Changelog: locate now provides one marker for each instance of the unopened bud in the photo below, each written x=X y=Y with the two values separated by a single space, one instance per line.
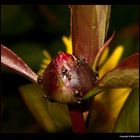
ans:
x=67 y=79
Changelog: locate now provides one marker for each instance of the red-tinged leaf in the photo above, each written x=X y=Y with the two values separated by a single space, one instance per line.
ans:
x=89 y=24
x=125 y=74
x=14 y=63
x=100 y=52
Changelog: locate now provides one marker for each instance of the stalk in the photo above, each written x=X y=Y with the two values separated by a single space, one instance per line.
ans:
x=77 y=119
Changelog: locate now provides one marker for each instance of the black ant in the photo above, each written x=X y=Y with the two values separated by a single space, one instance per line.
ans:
x=65 y=72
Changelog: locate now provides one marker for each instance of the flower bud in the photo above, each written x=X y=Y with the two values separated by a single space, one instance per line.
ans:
x=67 y=79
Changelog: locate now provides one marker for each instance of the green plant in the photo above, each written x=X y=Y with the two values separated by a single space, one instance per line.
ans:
x=88 y=34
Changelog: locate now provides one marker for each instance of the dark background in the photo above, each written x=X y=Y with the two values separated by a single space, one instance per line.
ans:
x=28 y=30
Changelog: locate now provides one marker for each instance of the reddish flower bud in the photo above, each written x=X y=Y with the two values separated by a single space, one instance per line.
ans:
x=67 y=79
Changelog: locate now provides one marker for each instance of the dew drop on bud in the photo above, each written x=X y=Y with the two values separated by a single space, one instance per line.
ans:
x=39 y=80
x=76 y=92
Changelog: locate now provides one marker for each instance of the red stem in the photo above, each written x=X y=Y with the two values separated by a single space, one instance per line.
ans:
x=77 y=119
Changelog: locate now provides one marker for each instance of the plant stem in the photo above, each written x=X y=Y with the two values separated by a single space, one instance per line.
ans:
x=77 y=119
x=93 y=92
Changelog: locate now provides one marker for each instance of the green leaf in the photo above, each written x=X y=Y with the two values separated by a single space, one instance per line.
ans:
x=128 y=119
x=54 y=117
x=93 y=92
x=125 y=74
x=89 y=24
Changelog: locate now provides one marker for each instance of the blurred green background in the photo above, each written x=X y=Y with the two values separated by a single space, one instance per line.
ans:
x=28 y=30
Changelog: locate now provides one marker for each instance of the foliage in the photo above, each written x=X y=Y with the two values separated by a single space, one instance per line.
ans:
x=111 y=106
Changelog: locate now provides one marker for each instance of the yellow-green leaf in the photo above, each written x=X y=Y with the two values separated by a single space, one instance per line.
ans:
x=128 y=119
x=60 y=115
x=105 y=108
x=125 y=74
x=53 y=117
